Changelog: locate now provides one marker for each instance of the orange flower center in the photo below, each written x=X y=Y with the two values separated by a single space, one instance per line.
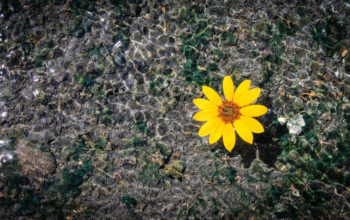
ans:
x=229 y=111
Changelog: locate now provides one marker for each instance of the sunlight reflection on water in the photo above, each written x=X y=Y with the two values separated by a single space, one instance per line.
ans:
x=5 y=155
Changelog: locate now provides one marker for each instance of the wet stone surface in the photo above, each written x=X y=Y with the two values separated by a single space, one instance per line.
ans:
x=34 y=162
x=96 y=109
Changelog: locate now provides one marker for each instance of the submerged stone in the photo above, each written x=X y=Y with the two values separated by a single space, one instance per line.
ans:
x=34 y=162
x=175 y=169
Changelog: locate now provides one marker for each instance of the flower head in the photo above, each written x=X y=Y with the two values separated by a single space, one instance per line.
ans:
x=234 y=114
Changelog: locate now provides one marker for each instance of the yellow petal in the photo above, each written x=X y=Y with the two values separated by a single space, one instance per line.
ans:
x=212 y=95
x=248 y=97
x=205 y=104
x=252 y=124
x=241 y=89
x=229 y=137
x=253 y=110
x=228 y=88
x=243 y=131
x=205 y=115
x=217 y=133
x=209 y=126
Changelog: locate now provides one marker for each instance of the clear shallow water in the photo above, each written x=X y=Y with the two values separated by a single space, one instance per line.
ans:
x=96 y=109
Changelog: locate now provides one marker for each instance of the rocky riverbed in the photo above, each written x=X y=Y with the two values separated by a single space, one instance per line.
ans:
x=96 y=109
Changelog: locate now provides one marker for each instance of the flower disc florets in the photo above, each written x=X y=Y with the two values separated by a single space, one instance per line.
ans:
x=229 y=111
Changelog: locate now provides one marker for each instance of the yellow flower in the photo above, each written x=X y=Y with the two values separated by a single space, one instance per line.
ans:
x=235 y=113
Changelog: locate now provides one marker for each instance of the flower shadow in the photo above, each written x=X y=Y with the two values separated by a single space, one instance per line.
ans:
x=265 y=145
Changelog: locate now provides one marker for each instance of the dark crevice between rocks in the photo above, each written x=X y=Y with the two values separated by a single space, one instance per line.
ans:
x=166 y=154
